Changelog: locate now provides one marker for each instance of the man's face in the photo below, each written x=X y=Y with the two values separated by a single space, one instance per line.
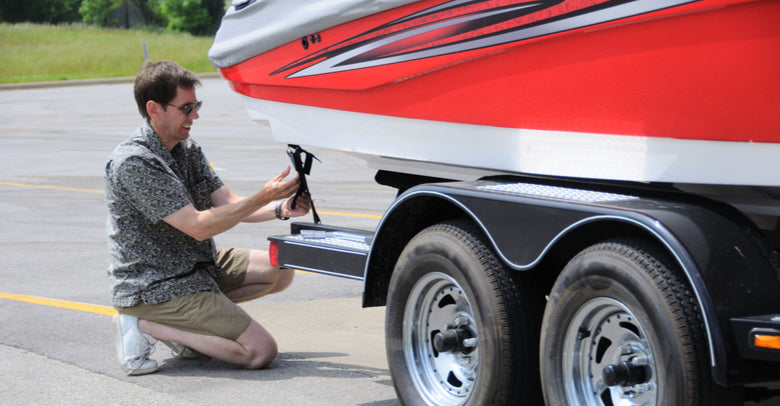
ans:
x=170 y=123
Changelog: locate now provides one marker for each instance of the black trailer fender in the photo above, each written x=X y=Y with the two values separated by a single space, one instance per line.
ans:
x=730 y=270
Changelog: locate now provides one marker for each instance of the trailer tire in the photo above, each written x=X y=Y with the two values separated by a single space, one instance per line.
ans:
x=449 y=288
x=621 y=327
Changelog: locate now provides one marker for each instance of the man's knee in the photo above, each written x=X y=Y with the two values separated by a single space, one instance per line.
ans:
x=261 y=347
x=259 y=260
x=263 y=356
x=285 y=279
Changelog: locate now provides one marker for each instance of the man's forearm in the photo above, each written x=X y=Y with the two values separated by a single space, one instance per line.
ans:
x=224 y=196
x=230 y=209
x=264 y=213
x=202 y=225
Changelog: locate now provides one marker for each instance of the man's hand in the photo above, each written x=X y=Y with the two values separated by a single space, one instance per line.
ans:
x=302 y=206
x=278 y=188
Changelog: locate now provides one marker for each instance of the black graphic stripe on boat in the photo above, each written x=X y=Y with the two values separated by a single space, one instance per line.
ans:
x=413 y=26
x=413 y=37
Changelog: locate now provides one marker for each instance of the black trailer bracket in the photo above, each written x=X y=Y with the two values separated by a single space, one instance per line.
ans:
x=329 y=250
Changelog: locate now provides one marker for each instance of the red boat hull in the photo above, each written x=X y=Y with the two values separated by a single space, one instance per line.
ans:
x=706 y=70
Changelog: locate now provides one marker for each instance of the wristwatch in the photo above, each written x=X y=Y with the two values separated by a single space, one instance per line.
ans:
x=278 y=210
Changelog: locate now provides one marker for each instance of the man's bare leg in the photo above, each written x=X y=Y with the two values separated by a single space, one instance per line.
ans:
x=261 y=279
x=254 y=348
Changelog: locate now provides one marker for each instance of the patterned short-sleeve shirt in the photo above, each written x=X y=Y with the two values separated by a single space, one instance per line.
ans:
x=151 y=260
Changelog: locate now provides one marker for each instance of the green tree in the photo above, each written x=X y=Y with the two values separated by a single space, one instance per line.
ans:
x=98 y=12
x=123 y=13
x=40 y=11
x=151 y=11
x=198 y=17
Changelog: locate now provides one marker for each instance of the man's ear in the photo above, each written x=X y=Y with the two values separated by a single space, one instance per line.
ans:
x=153 y=109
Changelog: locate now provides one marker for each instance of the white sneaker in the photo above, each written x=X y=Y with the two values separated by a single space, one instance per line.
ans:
x=132 y=347
x=184 y=352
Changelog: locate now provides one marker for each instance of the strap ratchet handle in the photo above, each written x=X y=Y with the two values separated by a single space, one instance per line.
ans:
x=302 y=161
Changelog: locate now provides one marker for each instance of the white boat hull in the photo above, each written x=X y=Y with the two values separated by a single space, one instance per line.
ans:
x=463 y=151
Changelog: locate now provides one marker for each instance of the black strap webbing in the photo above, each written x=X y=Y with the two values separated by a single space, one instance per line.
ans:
x=302 y=160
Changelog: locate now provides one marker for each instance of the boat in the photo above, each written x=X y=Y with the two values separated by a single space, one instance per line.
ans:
x=673 y=92
x=596 y=142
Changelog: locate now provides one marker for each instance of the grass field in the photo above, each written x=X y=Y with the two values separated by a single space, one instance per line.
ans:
x=37 y=53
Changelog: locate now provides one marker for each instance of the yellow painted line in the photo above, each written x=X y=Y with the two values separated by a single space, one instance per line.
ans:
x=333 y=213
x=70 y=189
x=82 y=307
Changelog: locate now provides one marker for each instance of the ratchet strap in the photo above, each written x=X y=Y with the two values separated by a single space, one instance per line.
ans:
x=302 y=160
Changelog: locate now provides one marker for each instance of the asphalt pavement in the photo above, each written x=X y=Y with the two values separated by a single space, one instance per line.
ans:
x=56 y=342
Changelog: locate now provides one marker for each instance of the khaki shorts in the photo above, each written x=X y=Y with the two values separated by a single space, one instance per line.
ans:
x=209 y=313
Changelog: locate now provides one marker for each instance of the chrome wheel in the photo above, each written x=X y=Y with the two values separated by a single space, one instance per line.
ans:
x=440 y=340
x=607 y=358
x=460 y=330
x=621 y=328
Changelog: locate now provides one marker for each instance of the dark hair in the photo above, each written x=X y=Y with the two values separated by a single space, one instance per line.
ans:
x=158 y=81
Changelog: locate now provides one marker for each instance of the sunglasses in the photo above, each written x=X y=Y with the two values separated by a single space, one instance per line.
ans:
x=188 y=108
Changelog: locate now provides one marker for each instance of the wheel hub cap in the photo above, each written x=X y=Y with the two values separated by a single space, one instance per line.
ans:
x=440 y=341
x=607 y=358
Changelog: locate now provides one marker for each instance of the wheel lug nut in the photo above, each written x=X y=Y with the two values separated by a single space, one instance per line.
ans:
x=459 y=321
x=470 y=342
x=644 y=387
x=640 y=361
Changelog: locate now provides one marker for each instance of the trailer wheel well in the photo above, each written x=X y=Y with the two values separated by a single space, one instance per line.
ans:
x=414 y=215
x=398 y=227
x=585 y=236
